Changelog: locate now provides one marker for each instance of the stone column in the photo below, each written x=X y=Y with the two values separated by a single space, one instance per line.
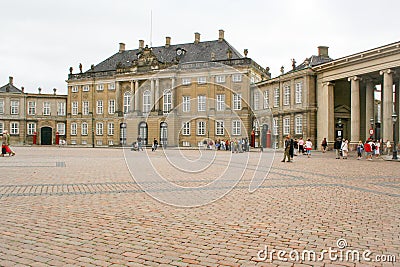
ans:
x=152 y=93
x=118 y=97
x=157 y=95
x=173 y=93
x=387 y=105
x=137 y=96
x=131 y=107
x=355 y=109
x=369 y=106
x=397 y=108
x=326 y=112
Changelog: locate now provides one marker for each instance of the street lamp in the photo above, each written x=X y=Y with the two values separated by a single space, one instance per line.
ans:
x=394 y=120
x=372 y=128
x=91 y=113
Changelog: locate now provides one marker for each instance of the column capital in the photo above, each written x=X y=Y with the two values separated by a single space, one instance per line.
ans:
x=388 y=71
x=354 y=78
x=328 y=84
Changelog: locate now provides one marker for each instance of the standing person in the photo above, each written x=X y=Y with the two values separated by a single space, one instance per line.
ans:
x=296 y=146
x=286 y=153
x=324 y=144
x=291 y=149
x=388 y=147
x=155 y=145
x=360 y=148
x=3 y=143
x=337 y=146
x=377 y=148
x=368 y=149
x=308 y=147
x=139 y=142
x=6 y=143
x=345 y=148
x=301 y=146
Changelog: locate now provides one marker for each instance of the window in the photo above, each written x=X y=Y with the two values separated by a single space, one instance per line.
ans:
x=127 y=102
x=110 y=128
x=99 y=128
x=286 y=126
x=99 y=106
x=299 y=124
x=1 y=106
x=237 y=101
x=186 y=81
x=100 y=87
x=266 y=99
x=99 y=142
x=299 y=92
x=236 y=129
x=74 y=108
x=61 y=108
x=46 y=108
x=84 y=142
x=221 y=102
x=85 y=107
x=275 y=126
x=14 y=128
x=167 y=101
x=85 y=88
x=111 y=86
x=286 y=95
x=31 y=128
x=1 y=127
x=14 y=107
x=84 y=130
x=220 y=79
x=219 y=127
x=146 y=101
x=61 y=128
x=202 y=80
x=31 y=108
x=186 y=128
x=276 y=97
x=186 y=103
x=74 y=128
x=236 y=78
x=201 y=103
x=201 y=128
x=110 y=142
x=256 y=99
x=111 y=106
x=74 y=89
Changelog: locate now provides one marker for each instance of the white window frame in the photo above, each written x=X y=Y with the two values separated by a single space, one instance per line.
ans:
x=85 y=88
x=110 y=128
x=1 y=127
x=275 y=126
x=186 y=128
x=1 y=106
x=237 y=101
x=127 y=102
x=201 y=128
x=220 y=102
x=61 y=108
x=14 y=128
x=237 y=78
x=84 y=128
x=31 y=107
x=276 y=97
x=85 y=107
x=236 y=127
x=256 y=100
x=31 y=128
x=146 y=101
x=186 y=81
x=61 y=128
x=298 y=124
x=111 y=106
x=74 y=128
x=266 y=99
x=74 y=107
x=46 y=108
x=202 y=80
x=100 y=87
x=299 y=93
x=167 y=101
x=219 y=127
x=14 y=108
x=111 y=86
x=220 y=79
x=286 y=125
x=286 y=95
x=99 y=128
x=201 y=103
x=185 y=103
x=74 y=89
x=99 y=106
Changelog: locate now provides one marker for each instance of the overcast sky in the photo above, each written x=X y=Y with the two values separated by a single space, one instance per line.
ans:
x=41 y=39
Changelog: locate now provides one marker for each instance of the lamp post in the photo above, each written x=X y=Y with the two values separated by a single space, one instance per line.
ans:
x=394 y=120
x=91 y=113
x=372 y=128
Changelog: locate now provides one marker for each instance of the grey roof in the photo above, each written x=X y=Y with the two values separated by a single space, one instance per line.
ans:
x=311 y=62
x=194 y=52
x=11 y=89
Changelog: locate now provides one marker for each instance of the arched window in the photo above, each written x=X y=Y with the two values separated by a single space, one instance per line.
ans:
x=143 y=132
x=167 y=101
x=163 y=134
x=127 y=102
x=146 y=101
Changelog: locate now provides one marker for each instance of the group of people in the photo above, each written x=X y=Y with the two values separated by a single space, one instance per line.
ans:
x=235 y=145
x=138 y=145
x=295 y=147
x=370 y=148
x=5 y=144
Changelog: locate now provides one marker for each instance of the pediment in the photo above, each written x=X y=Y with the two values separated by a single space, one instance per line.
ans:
x=342 y=109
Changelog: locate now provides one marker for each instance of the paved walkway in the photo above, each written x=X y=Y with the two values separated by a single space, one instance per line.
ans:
x=82 y=207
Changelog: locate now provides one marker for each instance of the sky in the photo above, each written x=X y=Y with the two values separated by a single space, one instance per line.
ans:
x=41 y=39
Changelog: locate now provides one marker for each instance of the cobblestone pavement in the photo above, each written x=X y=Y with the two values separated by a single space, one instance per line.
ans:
x=81 y=207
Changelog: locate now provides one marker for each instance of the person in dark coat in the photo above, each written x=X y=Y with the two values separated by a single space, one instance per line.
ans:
x=338 y=146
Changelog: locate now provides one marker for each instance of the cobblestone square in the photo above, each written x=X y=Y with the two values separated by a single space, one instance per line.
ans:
x=82 y=207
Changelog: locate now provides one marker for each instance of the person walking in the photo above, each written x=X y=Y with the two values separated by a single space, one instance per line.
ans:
x=368 y=149
x=360 y=149
x=301 y=146
x=6 y=144
x=139 y=143
x=388 y=146
x=345 y=148
x=291 y=148
x=286 y=153
x=324 y=144
x=155 y=145
x=337 y=146
x=308 y=147
x=296 y=146
x=377 y=148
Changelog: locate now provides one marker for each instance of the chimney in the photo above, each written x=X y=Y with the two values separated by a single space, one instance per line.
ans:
x=245 y=52
x=196 y=37
x=40 y=90
x=121 y=47
x=323 y=51
x=55 y=91
x=141 y=44
x=221 y=36
x=22 y=89
x=167 y=41
x=10 y=80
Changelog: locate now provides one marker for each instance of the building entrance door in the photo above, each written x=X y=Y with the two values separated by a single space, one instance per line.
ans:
x=46 y=136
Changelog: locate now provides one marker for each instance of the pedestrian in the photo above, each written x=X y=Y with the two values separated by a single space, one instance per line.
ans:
x=296 y=146
x=139 y=143
x=291 y=149
x=360 y=148
x=286 y=153
x=368 y=149
x=337 y=146
x=377 y=148
x=324 y=144
x=388 y=147
x=301 y=145
x=308 y=147
x=345 y=148
x=6 y=144
x=155 y=145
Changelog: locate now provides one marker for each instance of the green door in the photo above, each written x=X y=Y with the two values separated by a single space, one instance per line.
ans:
x=46 y=136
